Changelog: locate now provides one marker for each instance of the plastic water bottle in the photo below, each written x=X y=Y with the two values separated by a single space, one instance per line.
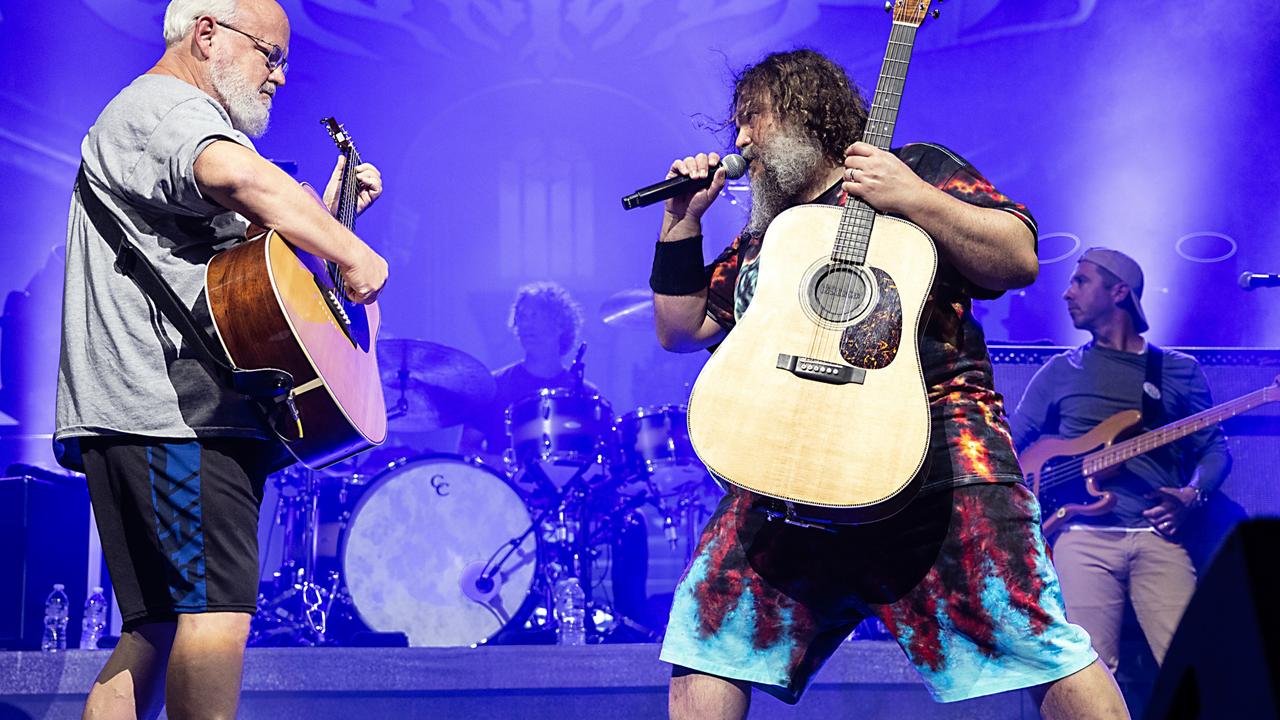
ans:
x=55 y=620
x=95 y=620
x=571 y=611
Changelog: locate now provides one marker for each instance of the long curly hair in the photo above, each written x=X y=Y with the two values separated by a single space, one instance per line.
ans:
x=807 y=91
x=568 y=312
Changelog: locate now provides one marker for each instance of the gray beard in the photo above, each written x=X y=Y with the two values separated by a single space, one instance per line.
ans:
x=789 y=163
x=248 y=114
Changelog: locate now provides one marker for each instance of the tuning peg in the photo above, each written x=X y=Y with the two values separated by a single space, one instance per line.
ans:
x=888 y=5
x=936 y=13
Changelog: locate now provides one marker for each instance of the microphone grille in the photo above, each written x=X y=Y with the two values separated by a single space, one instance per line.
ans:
x=734 y=166
x=1244 y=281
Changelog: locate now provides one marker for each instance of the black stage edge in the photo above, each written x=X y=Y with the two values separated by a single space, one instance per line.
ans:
x=865 y=680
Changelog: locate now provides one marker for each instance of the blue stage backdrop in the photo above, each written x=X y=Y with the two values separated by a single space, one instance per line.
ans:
x=507 y=130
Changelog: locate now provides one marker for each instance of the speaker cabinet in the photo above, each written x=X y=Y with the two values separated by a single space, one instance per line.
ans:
x=44 y=539
x=1224 y=661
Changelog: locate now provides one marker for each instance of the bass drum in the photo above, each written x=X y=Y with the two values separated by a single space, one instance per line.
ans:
x=428 y=552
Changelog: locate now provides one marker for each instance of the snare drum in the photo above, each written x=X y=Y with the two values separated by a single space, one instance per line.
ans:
x=428 y=552
x=655 y=450
x=560 y=431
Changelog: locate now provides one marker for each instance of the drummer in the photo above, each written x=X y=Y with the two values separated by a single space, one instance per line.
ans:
x=547 y=321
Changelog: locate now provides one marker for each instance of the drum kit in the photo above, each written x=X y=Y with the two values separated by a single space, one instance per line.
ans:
x=434 y=549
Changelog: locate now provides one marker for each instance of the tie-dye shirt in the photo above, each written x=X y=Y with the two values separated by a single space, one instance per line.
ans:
x=970 y=440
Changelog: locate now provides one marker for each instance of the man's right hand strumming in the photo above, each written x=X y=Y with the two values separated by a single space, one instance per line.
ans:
x=366 y=276
x=683 y=216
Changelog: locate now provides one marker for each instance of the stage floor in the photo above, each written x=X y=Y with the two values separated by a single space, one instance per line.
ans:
x=865 y=680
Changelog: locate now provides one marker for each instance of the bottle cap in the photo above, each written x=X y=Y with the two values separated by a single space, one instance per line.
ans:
x=59 y=586
x=97 y=590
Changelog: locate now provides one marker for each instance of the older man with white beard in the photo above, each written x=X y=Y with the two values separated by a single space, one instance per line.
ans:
x=175 y=460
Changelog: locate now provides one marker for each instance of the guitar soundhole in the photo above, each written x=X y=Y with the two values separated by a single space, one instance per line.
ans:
x=838 y=293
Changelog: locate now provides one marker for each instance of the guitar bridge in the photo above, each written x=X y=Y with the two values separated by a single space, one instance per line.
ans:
x=821 y=370
x=339 y=312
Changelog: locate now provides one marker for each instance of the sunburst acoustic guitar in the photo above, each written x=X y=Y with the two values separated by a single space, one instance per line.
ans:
x=275 y=306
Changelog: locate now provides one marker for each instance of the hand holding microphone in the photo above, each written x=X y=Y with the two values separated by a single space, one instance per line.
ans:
x=691 y=185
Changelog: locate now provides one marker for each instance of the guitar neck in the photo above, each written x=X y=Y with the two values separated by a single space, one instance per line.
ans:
x=1133 y=447
x=854 y=233
x=349 y=195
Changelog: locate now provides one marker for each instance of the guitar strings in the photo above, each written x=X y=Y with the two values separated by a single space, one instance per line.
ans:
x=347 y=200
x=855 y=245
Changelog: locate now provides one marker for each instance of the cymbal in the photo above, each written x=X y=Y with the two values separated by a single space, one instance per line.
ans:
x=430 y=386
x=629 y=309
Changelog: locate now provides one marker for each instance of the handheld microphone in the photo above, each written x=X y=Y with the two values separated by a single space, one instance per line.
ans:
x=734 y=166
x=1249 y=281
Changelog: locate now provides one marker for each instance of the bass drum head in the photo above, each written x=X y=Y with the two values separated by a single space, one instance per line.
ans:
x=419 y=541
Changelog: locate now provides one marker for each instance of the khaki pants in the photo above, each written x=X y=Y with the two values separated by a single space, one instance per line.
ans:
x=1097 y=568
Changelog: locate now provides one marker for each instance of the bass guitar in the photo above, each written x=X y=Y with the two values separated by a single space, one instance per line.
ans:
x=817 y=398
x=1068 y=476
x=275 y=306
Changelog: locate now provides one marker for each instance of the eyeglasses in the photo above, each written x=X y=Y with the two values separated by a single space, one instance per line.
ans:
x=275 y=58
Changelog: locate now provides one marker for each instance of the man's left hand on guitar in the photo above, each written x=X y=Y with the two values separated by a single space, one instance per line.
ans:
x=368 y=177
x=1171 y=511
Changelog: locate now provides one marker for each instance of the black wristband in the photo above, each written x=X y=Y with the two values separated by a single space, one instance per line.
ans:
x=677 y=267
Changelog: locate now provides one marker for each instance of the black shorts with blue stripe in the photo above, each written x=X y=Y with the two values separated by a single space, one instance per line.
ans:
x=178 y=522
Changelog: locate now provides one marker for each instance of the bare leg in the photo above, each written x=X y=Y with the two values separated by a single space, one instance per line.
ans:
x=206 y=665
x=698 y=696
x=131 y=685
x=1089 y=693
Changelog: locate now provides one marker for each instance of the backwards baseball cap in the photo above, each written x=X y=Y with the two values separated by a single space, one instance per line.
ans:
x=1129 y=272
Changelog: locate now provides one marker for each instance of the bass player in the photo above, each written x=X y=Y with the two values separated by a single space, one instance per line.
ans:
x=1133 y=551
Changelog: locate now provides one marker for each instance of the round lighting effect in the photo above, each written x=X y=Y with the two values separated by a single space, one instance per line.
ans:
x=1229 y=245
x=1075 y=247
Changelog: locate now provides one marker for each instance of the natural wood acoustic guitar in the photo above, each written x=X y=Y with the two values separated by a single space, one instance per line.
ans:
x=275 y=306
x=817 y=398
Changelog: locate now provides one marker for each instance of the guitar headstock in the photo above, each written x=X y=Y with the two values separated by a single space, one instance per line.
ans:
x=1271 y=393
x=909 y=12
x=339 y=134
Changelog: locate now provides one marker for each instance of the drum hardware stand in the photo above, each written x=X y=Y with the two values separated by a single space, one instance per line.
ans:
x=401 y=406
x=309 y=625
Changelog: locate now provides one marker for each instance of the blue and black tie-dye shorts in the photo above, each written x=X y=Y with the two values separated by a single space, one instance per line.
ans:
x=960 y=578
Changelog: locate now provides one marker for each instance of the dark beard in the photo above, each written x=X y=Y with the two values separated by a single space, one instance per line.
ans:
x=789 y=164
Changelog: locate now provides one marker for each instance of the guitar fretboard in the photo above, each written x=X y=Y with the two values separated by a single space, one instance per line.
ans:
x=854 y=233
x=1120 y=452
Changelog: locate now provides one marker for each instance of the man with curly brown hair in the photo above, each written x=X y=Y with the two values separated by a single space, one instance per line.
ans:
x=960 y=576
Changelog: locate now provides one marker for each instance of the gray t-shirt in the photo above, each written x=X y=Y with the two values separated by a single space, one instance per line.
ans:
x=1078 y=389
x=124 y=367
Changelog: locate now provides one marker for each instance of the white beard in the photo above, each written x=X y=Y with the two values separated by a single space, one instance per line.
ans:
x=789 y=161
x=249 y=114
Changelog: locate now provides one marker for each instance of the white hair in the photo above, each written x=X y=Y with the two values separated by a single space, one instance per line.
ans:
x=181 y=15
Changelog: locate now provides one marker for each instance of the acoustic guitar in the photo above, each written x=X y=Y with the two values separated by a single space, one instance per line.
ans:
x=275 y=306
x=817 y=399
x=1068 y=476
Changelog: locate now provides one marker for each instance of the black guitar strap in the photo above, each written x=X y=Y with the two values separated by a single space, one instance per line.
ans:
x=1153 y=413
x=1153 y=407
x=266 y=385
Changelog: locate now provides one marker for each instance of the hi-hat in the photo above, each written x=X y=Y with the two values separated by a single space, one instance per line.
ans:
x=430 y=386
x=630 y=309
